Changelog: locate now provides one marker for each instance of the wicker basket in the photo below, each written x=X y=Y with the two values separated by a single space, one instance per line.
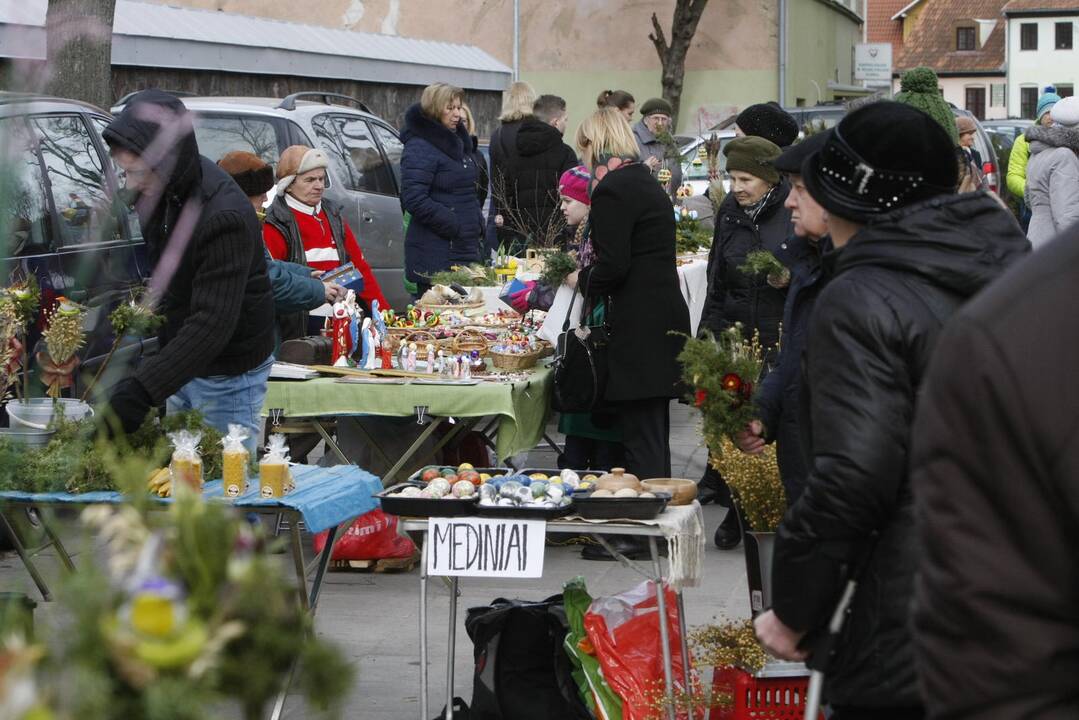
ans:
x=512 y=361
x=463 y=307
x=397 y=336
x=469 y=340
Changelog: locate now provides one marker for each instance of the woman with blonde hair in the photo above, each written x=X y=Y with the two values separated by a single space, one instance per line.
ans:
x=634 y=271
x=516 y=107
x=438 y=187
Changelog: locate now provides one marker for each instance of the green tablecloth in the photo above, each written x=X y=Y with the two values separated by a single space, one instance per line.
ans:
x=521 y=406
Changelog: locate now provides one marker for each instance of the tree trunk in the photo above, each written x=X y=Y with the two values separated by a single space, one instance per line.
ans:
x=79 y=38
x=672 y=56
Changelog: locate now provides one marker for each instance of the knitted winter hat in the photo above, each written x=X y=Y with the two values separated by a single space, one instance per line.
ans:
x=1066 y=112
x=920 y=88
x=965 y=124
x=769 y=121
x=753 y=155
x=656 y=105
x=574 y=184
x=880 y=158
x=1046 y=103
x=296 y=160
x=254 y=176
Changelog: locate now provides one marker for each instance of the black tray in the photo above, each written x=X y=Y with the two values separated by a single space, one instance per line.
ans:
x=552 y=473
x=609 y=508
x=523 y=513
x=424 y=507
x=415 y=477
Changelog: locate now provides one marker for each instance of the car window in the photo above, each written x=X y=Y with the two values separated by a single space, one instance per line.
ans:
x=26 y=219
x=354 y=153
x=393 y=147
x=221 y=134
x=134 y=229
x=75 y=173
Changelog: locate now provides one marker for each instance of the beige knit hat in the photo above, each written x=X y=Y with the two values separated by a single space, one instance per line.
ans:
x=296 y=160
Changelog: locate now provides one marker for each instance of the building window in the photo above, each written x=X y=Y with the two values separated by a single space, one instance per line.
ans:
x=976 y=102
x=1028 y=36
x=1065 y=90
x=998 y=95
x=964 y=38
x=1064 y=36
x=1028 y=101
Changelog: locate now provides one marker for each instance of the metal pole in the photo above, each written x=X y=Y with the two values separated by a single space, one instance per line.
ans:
x=451 y=654
x=783 y=52
x=423 y=627
x=664 y=637
x=516 y=40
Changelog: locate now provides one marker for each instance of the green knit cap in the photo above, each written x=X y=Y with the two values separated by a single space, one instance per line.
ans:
x=753 y=155
x=920 y=88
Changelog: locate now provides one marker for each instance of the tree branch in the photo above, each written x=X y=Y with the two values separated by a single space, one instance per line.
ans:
x=659 y=40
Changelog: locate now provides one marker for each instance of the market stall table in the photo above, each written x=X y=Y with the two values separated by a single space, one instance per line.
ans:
x=520 y=408
x=682 y=527
x=692 y=280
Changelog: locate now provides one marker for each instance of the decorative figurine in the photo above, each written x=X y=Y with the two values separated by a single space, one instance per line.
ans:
x=430 y=358
x=387 y=355
x=411 y=357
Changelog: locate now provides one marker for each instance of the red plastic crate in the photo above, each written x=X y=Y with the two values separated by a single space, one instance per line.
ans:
x=779 y=698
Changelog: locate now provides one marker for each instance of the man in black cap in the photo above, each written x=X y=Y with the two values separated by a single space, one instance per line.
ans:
x=908 y=252
x=778 y=398
x=651 y=132
x=769 y=121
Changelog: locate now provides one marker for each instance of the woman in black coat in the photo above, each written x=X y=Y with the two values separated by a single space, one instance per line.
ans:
x=516 y=107
x=633 y=236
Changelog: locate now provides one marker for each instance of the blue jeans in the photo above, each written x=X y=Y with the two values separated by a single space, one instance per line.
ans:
x=224 y=399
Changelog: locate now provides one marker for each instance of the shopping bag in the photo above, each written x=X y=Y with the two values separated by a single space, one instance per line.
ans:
x=371 y=536
x=624 y=631
x=602 y=701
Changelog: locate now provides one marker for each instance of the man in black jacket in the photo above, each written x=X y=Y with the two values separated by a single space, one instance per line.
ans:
x=209 y=273
x=531 y=178
x=908 y=253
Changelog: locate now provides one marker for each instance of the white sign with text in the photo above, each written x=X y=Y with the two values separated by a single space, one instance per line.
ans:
x=482 y=547
x=873 y=62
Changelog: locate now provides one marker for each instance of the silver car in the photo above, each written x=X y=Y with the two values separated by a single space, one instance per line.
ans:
x=365 y=161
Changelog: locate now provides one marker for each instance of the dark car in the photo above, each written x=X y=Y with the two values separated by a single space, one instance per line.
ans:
x=60 y=221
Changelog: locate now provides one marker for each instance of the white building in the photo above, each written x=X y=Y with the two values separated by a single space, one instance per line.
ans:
x=1041 y=51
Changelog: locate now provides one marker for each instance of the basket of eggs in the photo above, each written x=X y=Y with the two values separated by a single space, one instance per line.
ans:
x=619 y=495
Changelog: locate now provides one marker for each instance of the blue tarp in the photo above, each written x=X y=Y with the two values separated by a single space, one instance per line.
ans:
x=324 y=496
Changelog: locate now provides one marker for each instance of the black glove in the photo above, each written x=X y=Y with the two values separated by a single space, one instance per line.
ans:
x=130 y=403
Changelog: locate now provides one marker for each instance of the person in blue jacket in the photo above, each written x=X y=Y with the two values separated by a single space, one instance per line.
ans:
x=294 y=287
x=777 y=400
x=438 y=187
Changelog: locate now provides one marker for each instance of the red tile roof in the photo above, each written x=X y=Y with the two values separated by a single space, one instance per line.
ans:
x=880 y=27
x=932 y=43
x=1041 y=6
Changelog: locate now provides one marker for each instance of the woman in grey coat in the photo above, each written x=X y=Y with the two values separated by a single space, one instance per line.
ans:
x=1052 y=192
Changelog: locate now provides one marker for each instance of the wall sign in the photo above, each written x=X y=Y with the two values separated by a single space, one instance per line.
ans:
x=873 y=62
x=482 y=547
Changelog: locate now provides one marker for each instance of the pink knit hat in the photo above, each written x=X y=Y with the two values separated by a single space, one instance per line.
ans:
x=574 y=184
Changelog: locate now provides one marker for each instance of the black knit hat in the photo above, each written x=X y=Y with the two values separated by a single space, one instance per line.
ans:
x=656 y=105
x=882 y=157
x=793 y=157
x=769 y=121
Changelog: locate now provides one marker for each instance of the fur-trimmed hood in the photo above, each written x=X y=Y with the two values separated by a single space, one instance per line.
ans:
x=454 y=144
x=1054 y=136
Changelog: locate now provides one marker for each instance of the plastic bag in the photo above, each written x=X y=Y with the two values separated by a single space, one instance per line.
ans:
x=235 y=460
x=186 y=465
x=624 y=631
x=601 y=700
x=274 y=477
x=371 y=536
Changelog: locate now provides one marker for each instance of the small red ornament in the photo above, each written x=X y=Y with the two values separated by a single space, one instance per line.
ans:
x=731 y=382
x=700 y=397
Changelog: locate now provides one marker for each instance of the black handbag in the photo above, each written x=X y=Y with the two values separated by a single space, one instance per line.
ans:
x=580 y=365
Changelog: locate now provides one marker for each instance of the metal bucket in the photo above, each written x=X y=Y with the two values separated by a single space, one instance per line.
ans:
x=760 y=547
x=30 y=437
x=37 y=413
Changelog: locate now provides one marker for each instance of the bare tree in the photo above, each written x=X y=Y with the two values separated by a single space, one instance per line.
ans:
x=672 y=56
x=79 y=39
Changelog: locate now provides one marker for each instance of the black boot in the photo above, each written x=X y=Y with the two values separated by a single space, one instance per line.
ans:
x=729 y=532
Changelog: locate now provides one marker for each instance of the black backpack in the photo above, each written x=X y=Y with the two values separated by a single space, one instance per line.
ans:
x=522 y=671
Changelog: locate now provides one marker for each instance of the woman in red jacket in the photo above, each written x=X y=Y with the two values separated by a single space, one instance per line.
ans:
x=303 y=228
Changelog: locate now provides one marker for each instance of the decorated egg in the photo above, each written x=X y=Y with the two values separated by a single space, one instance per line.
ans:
x=463 y=489
x=569 y=476
x=539 y=488
x=523 y=494
x=439 y=486
x=625 y=493
x=506 y=502
x=430 y=494
x=555 y=492
x=509 y=489
x=602 y=493
x=488 y=492
x=410 y=491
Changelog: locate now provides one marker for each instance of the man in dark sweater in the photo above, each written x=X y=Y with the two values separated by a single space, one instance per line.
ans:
x=209 y=273
x=531 y=179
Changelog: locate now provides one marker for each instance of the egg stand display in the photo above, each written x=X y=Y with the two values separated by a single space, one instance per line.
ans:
x=556 y=527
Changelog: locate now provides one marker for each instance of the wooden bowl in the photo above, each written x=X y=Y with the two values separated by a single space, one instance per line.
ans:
x=683 y=492
x=617 y=479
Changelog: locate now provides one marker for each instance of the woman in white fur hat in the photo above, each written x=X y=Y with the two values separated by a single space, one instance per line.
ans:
x=302 y=227
x=1052 y=192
